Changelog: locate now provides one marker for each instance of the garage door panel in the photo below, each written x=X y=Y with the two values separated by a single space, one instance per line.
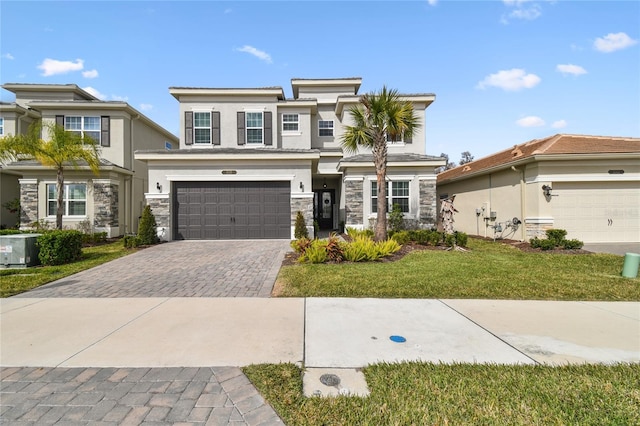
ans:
x=231 y=210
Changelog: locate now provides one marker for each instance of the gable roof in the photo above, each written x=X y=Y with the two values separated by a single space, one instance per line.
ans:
x=560 y=144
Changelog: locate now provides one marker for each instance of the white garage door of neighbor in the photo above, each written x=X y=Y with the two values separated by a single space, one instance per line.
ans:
x=598 y=212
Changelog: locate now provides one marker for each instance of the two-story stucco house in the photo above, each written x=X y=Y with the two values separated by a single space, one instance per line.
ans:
x=111 y=202
x=249 y=159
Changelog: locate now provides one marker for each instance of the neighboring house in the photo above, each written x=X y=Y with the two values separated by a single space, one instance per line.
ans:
x=250 y=159
x=587 y=185
x=111 y=202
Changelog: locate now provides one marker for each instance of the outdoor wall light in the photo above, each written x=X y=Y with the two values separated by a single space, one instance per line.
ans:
x=301 y=186
x=158 y=187
x=324 y=183
x=546 y=190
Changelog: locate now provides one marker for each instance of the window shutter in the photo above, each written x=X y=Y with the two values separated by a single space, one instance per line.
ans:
x=60 y=120
x=408 y=139
x=105 y=133
x=268 y=132
x=188 y=128
x=215 y=127
x=241 y=133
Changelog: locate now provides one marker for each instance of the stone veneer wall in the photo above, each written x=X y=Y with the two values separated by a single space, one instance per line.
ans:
x=160 y=209
x=537 y=230
x=354 y=209
x=305 y=205
x=105 y=205
x=28 y=204
x=428 y=215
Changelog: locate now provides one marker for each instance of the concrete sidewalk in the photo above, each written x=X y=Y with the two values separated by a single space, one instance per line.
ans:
x=316 y=332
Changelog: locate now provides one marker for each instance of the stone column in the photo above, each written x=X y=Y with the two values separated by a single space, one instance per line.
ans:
x=161 y=208
x=354 y=209
x=304 y=203
x=428 y=197
x=105 y=206
x=28 y=202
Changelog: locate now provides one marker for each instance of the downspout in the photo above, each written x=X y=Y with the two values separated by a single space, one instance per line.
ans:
x=523 y=199
x=19 y=121
x=132 y=177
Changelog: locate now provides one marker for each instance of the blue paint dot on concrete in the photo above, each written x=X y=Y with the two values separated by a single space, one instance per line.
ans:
x=398 y=339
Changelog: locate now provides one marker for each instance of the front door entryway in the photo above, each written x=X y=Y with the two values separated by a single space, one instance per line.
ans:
x=324 y=201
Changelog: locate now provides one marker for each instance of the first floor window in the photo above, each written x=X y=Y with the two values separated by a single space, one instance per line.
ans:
x=202 y=127
x=84 y=126
x=254 y=127
x=74 y=199
x=1 y=126
x=325 y=128
x=399 y=195
x=289 y=122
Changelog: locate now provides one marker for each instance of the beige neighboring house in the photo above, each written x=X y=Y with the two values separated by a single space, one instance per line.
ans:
x=249 y=159
x=111 y=202
x=587 y=185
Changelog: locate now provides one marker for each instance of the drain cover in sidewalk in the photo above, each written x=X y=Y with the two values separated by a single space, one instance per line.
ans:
x=333 y=382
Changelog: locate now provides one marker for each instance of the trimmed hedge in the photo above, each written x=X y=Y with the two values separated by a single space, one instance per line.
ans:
x=59 y=247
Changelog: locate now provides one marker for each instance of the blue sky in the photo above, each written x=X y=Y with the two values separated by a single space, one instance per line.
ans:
x=503 y=72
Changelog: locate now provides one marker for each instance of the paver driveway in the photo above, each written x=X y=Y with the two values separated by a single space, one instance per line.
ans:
x=180 y=269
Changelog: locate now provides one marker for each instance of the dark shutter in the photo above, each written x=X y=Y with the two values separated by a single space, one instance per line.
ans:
x=241 y=132
x=105 y=134
x=408 y=139
x=215 y=127
x=188 y=128
x=60 y=120
x=268 y=132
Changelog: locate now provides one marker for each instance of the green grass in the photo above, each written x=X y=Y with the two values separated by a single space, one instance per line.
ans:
x=15 y=281
x=462 y=394
x=489 y=270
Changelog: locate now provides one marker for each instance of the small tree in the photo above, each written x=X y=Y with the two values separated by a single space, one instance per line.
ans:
x=466 y=158
x=300 y=230
x=448 y=164
x=147 y=233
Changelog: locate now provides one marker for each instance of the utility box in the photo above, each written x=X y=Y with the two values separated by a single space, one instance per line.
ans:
x=19 y=250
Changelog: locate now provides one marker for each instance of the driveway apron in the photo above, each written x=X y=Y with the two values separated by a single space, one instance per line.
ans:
x=238 y=268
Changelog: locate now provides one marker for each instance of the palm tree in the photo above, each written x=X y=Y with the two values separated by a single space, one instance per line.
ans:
x=378 y=118
x=61 y=150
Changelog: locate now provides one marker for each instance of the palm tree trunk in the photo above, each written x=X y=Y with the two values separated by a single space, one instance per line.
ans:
x=59 y=192
x=380 y=161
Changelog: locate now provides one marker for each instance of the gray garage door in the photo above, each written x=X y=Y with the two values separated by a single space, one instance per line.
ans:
x=231 y=210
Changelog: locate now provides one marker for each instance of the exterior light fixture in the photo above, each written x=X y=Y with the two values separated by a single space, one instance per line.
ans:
x=546 y=190
x=324 y=183
x=158 y=187
x=301 y=186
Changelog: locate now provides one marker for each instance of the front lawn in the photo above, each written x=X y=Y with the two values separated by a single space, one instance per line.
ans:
x=462 y=394
x=490 y=270
x=15 y=281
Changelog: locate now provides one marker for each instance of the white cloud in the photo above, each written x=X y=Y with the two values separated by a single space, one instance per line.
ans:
x=53 y=66
x=256 y=52
x=432 y=2
x=8 y=56
x=530 y=121
x=95 y=93
x=570 y=69
x=559 y=124
x=521 y=9
x=120 y=98
x=510 y=80
x=612 y=42
x=90 y=74
x=146 y=107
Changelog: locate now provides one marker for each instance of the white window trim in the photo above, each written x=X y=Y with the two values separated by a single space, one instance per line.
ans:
x=390 y=182
x=396 y=143
x=246 y=127
x=194 y=128
x=297 y=123
x=66 y=200
x=326 y=128
x=82 y=129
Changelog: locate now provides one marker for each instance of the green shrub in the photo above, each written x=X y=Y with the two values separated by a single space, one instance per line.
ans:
x=131 y=241
x=449 y=240
x=420 y=236
x=435 y=238
x=461 y=239
x=361 y=249
x=59 y=247
x=544 y=244
x=572 y=244
x=556 y=235
x=94 y=238
x=387 y=248
x=334 y=248
x=147 y=233
x=354 y=233
x=300 y=230
x=316 y=252
x=401 y=237
x=11 y=231
x=396 y=218
x=299 y=246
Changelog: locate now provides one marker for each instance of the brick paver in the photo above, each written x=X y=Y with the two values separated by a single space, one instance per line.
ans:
x=180 y=269
x=82 y=396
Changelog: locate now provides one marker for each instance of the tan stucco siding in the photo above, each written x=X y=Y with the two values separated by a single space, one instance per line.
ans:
x=295 y=139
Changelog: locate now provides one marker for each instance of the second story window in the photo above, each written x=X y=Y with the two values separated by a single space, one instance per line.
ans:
x=399 y=139
x=202 y=127
x=254 y=128
x=290 y=122
x=325 y=128
x=84 y=126
x=1 y=126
